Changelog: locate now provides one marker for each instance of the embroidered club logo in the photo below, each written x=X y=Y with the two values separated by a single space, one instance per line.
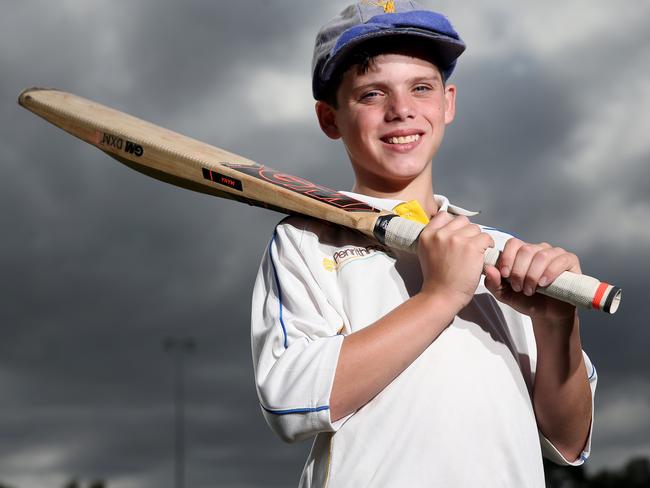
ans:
x=349 y=254
x=387 y=5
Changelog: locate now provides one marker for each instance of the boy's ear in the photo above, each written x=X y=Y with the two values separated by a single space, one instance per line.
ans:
x=450 y=103
x=327 y=120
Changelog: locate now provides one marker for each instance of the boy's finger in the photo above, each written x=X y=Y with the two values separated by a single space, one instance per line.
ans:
x=463 y=226
x=521 y=264
x=539 y=268
x=507 y=257
x=439 y=220
x=485 y=240
x=564 y=261
x=468 y=230
x=457 y=222
x=492 y=277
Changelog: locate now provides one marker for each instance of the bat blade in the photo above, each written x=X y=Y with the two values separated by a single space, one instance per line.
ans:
x=192 y=164
x=195 y=165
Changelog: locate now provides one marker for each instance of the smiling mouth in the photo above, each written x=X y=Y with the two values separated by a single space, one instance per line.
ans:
x=402 y=139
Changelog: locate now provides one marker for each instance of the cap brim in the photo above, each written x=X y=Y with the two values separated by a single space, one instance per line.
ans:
x=445 y=49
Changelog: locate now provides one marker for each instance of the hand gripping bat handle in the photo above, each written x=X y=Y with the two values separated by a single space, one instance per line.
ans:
x=576 y=289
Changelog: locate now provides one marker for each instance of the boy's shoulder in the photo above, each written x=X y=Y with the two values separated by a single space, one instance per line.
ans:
x=303 y=232
x=324 y=247
x=296 y=225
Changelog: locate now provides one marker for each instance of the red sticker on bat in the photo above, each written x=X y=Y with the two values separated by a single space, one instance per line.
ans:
x=304 y=187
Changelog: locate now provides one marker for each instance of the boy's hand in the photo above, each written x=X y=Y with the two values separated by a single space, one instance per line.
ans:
x=450 y=250
x=527 y=266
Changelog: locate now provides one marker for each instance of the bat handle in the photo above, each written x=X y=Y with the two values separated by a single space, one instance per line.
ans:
x=576 y=289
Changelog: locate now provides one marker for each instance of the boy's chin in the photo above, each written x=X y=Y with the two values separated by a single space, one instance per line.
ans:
x=405 y=171
x=392 y=172
x=412 y=162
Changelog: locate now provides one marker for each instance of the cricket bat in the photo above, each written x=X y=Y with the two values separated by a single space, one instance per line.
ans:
x=191 y=164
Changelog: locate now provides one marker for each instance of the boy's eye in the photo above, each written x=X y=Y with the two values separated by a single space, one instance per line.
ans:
x=370 y=95
x=422 y=88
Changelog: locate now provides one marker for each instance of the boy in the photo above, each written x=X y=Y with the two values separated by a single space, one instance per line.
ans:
x=412 y=371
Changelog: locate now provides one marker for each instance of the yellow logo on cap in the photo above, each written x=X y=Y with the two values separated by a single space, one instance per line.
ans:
x=387 y=5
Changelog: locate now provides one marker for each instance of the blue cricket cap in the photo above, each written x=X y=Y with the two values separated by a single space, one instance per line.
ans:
x=368 y=20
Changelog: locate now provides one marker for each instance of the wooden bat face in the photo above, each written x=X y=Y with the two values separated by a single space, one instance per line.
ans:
x=191 y=164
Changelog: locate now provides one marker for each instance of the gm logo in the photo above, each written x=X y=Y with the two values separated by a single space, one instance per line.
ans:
x=125 y=145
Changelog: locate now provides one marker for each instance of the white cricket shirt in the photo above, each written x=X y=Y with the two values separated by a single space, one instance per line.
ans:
x=459 y=415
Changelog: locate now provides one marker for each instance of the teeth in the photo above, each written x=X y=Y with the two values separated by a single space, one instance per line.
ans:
x=403 y=140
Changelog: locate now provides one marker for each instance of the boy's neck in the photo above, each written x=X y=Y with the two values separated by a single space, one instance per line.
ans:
x=415 y=190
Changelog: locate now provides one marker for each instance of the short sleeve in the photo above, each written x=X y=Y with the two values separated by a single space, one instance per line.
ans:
x=295 y=340
x=550 y=451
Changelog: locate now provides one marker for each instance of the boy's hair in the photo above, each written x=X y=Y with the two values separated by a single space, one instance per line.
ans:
x=363 y=57
x=380 y=23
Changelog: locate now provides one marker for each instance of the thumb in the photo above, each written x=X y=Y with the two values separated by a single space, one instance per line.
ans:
x=501 y=289
x=492 y=278
x=497 y=285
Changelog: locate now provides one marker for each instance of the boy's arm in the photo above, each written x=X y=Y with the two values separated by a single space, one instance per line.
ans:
x=294 y=335
x=561 y=391
x=561 y=373
x=450 y=251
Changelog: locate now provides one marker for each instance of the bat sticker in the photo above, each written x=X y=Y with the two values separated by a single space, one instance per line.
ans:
x=211 y=175
x=302 y=186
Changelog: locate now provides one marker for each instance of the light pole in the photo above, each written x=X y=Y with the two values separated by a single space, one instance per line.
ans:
x=179 y=347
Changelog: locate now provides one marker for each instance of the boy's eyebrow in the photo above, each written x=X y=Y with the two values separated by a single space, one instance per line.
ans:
x=434 y=77
x=416 y=79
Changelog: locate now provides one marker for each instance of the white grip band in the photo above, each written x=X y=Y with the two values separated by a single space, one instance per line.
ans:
x=576 y=289
x=403 y=234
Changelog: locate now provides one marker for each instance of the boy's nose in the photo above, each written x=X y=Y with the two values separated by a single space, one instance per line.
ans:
x=400 y=107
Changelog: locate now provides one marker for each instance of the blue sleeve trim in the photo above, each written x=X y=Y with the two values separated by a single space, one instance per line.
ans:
x=277 y=284
x=295 y=410
x=593 y=371
x=486 y=227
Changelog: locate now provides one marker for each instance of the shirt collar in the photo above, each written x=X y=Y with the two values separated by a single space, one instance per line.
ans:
x=389 y=205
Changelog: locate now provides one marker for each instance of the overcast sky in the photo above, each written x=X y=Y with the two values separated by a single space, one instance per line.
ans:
x=98 y=263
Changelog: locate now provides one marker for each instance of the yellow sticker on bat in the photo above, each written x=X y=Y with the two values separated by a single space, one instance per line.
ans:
x=412 y=210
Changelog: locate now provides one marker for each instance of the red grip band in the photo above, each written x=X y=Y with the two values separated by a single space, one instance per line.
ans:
x=600 y=292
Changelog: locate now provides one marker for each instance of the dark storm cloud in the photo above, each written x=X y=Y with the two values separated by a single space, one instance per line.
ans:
x=511 y=138
x=100 y=263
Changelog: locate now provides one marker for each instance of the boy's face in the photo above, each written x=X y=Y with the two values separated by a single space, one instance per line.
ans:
x=392 y=119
